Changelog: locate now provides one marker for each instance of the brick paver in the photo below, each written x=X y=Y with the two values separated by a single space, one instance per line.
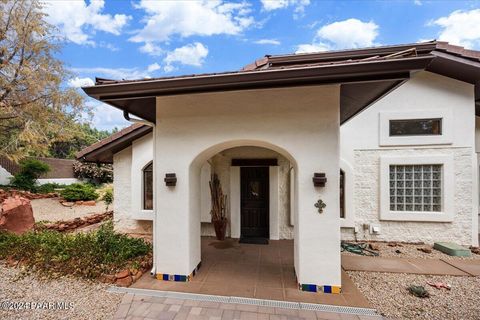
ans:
x=143 y=307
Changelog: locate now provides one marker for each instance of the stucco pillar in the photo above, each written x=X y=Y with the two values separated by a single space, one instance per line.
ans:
x=177 y=242
x=317 y=236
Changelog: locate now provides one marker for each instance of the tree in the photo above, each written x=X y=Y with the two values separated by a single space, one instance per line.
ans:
x=30 y=171
x=84 y=136
x=35 y=107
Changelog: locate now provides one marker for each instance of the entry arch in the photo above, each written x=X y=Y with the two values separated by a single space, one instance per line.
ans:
x=195 y=183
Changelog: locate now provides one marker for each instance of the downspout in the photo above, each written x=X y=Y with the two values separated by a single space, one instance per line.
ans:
x=127 y=117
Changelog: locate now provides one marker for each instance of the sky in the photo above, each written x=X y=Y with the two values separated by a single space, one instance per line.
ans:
x=135 y=39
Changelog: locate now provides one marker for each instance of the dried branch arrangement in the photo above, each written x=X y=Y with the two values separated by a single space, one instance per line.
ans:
x=219 y=200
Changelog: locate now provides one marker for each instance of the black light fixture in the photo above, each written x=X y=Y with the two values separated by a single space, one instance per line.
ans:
x=319 y=179
x=170 y=179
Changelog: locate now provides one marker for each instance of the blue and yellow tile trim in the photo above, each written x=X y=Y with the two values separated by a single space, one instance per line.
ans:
x=321 y=289
x=178 y=277
x=316 y=288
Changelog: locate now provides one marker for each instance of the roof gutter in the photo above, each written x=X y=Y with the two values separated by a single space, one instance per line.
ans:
x=127 y=117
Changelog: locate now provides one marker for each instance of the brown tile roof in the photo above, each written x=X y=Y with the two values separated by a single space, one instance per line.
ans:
x=265 y=63
x=270 y=62
x=108 y=140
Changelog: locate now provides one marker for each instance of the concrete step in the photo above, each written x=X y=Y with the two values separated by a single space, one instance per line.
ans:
x=452 y=249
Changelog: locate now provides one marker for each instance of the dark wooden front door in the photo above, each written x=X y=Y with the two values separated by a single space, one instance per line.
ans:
x=254 y=202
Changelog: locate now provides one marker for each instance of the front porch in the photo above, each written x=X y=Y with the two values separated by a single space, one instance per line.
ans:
x=230 y=268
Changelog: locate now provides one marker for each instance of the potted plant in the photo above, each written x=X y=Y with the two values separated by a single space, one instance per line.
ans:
x=218 y=212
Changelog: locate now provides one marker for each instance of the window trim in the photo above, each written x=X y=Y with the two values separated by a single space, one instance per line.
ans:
x=446 y=137
x=446 y=215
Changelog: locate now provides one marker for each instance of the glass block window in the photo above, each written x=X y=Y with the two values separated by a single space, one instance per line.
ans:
x=416 y=188
x=416 y=127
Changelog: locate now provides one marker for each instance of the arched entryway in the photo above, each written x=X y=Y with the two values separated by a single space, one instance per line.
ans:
x=301 y=124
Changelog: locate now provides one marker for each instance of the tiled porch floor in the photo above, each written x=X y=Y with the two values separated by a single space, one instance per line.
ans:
x=254 y=271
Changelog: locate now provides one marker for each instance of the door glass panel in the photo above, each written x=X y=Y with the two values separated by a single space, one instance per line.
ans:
x=255 y=189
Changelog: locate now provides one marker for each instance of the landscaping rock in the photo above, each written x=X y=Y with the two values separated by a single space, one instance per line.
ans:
x=71 y=225
x=124 y=282
x=16 y=215
x=122 y=274
x=425 y=250
x=89 y=203
x=67 y=204
x=374 y=246
x=108 y=278
x=137 y=276
x=475 y=250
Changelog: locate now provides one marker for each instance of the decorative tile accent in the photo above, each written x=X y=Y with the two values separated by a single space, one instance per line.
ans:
x=322 y=289
x=178 y=277
x=317 y=288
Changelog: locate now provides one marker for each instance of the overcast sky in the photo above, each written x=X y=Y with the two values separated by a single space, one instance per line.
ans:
x=139 y=39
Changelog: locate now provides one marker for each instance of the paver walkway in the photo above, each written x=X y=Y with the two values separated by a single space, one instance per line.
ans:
x=411 y=265
x=135 y=306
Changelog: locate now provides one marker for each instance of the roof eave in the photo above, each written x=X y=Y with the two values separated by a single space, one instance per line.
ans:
x=334 y=73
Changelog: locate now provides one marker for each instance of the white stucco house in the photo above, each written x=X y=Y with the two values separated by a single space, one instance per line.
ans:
x=392 y=129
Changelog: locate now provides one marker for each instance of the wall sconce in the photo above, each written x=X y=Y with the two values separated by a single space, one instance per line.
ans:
x=170 y=179
x=319 y=179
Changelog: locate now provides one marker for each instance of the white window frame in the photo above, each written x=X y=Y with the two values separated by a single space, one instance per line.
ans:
x=446 y=215
x=446 y=137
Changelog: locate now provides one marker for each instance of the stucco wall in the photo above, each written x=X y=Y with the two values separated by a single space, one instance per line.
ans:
x=222 y=164
x=367 y=175
x=122 y=183
x=142 y=155
x=360 y=140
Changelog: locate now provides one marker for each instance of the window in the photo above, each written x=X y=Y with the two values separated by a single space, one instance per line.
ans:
x=416 y=188
x=416 y=127
x=342 y=194
x=148 y=187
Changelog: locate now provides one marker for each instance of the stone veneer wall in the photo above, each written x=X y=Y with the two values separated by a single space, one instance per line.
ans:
x=221 y=165
x=122 y=216
x=367 y=200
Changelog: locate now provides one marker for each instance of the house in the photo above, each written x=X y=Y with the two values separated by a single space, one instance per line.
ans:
x=385 y=137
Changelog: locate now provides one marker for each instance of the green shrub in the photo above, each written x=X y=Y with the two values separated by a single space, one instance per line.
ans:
x=30 y=171
x=79 y=191
x=108 y=197
x=83 y=254
x=49 y=187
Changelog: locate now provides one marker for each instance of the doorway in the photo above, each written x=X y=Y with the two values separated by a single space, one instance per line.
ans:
x=254 y=205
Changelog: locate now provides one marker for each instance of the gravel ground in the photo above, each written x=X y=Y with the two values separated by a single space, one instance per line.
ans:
x=410 y=251
x=51 y=210
x=389 y=295
x=90 y=300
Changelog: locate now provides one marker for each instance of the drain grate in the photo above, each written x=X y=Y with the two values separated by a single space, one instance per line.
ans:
x=338 y=309
x=249 y=301
x=281 y=304
x=197 y=297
